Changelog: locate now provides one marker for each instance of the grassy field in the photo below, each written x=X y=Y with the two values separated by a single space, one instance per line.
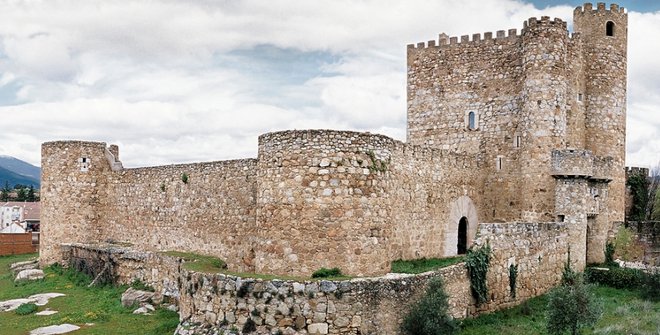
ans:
x=624 y=312
x=424 y=264
x=81 y=305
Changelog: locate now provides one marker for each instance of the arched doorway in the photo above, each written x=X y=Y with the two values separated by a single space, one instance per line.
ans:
x=461 y=246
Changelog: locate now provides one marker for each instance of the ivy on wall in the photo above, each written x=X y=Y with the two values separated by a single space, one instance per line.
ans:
x=476 y=262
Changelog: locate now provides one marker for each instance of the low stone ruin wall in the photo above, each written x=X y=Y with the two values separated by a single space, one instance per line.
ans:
x=209 y=302
x=646 y=239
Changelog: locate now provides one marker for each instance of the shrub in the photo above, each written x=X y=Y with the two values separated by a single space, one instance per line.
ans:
x=476 y=262
x=25 y=309
x=325 y=273
x=184 y=178
x=651 y=286
x=572 y=307
x=616 y=277
x=429 y=316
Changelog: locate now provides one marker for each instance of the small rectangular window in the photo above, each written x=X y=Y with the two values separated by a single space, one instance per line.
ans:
x=84 y=164
x=517 y=139
x=498 y=163
x=579 y=97
x=560 y=218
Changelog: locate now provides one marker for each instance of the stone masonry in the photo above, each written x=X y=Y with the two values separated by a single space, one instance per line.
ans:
x=522 y=126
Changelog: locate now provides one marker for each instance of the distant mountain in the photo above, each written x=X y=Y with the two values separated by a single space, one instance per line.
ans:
x=16 y=171
x=18 y=166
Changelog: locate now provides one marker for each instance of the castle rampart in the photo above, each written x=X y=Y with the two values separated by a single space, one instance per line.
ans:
x=520 y=127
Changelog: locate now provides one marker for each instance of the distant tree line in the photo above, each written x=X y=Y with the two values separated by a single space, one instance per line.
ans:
x=18 y=193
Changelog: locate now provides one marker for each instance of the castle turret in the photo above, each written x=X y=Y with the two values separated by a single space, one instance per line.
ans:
x=543 y=112
x=603 y=32
x=71 y=177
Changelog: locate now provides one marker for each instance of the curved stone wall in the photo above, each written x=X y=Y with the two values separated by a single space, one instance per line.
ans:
x=323 y=201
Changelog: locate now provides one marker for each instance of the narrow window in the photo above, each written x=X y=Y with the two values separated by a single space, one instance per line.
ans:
x=580 y=97
x=498 y=163
x=609 y=28
x=517 y=141
x=472 y=121
x=84 y=164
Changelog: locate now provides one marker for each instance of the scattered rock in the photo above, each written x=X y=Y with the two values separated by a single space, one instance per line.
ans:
x=20 y=266
x=142 y=310
x=134 y=297
x=29 y=274
x=149 y=307
x=57 y=329
x=37 y=299
x=46 y=312
x=172 y=308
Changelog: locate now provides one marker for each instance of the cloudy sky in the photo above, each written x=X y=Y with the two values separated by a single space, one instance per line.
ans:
x=174 y=81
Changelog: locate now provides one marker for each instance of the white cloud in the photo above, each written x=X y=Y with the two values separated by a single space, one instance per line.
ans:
x=160 y=77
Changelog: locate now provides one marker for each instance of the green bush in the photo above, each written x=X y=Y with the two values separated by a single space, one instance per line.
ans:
x=513 y=275
x=325 y=273
x=26 y=309
x=430 y=315
x=572 y=307
x=651 y=286
x=615 y=277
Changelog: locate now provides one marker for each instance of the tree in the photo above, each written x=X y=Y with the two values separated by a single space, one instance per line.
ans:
x=21 y=194
x=572 y=305
x=653 y=209
x=4 y=194
x=30 y=195
x=639 y=188
x=430 y=315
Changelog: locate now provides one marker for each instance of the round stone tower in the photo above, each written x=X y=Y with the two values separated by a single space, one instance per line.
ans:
x=604 y=35
x=543 y=114
x=72 y=173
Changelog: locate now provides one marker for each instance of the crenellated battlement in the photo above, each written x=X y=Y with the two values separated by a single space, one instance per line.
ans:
x=545 y=21
x=445 y=41
x=509 y=35
x=600 y=8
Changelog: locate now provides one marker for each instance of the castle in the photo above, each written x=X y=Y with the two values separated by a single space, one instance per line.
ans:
x=514 y=128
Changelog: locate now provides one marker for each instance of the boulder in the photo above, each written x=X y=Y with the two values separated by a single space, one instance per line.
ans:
x=30 y=274
x=20 y=266
x=135 y=297
x=58 y=329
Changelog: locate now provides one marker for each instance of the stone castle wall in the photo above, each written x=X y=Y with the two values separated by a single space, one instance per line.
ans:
x=212 y=213
x=358 y=306
x=365 y=199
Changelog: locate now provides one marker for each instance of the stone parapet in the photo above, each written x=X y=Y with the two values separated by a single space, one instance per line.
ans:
x=572 y=163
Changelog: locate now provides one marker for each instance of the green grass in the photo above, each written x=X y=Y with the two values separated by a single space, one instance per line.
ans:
x=415 y=266
x=81 y=305
x=624 y=312
x=210 y=264
x=199 y=263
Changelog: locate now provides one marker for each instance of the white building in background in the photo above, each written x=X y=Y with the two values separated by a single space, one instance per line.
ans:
x=19 y=217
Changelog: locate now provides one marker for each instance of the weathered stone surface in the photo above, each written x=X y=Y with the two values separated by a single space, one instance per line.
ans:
x=317 y=328
x=30 y=274
x=134 y=297
x=57 y=329
x=27 y=265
